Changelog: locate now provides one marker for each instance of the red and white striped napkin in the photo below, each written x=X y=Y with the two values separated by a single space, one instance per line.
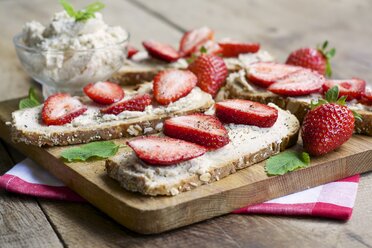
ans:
x=332 y=200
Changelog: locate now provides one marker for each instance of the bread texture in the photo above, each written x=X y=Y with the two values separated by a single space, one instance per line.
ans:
x=248 y=145
x=142 y=68
x=237 y=86
x=27 y=125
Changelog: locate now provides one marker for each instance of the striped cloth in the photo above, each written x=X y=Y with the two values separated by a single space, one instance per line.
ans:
x=332 y=200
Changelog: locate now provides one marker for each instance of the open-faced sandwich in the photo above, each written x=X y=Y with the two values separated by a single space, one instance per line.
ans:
x=107 y=112
x=142 y=66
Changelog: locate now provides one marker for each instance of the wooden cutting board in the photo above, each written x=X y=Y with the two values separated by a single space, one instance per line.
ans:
x=147 y=215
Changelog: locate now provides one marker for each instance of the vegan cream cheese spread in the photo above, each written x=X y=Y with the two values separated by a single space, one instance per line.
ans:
x=68 y=53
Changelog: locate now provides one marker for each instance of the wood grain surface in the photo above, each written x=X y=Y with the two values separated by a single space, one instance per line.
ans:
x=81 y=225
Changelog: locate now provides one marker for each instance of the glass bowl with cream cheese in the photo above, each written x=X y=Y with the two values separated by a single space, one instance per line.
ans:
x=67 y=54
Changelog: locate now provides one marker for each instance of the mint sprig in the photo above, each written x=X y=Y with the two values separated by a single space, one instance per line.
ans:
x=31 y=101
x=328 y=55
x=99 y=149
x=332 y=97
x=286 y=161
x=84 y=14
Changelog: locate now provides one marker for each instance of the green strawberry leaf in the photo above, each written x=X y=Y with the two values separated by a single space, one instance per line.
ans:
x=332 y=94
x=203 y=50
x=342 y=100
x=31 y=101
x=100 y=149
x=286 y=161
x=357 y=116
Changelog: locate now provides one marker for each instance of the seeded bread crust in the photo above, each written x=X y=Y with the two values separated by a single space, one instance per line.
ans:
x=298 y=108
x=104 y=131
x=137 y=183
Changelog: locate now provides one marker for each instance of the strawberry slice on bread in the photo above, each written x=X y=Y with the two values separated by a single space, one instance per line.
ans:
x=194 y=39
x=155 y=150
x=205 y=130
x=266 y=73
x=104 y=92
x=246 y=112
x=60 y=109
x=299 y=83
x=170 y=85
x=161 y=51
x=211 y=72
x=136 y=103
x=234 y=48
x=352 y=88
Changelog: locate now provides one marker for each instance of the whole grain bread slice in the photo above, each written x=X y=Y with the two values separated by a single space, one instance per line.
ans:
x=142 y=68
x=237 y=86
x=248 y=145
x=27 y=126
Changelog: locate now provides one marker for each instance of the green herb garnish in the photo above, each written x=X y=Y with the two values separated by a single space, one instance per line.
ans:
x=31 y=101
x=84 y=14
x=286 y=161
x=100 y=149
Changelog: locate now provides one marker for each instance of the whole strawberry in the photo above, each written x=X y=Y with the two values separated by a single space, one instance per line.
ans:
x=328 y=125
x=314 y=59
x=211 y=72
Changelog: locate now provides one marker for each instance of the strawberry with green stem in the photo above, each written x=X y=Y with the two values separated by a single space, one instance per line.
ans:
x=328 y=124
x=315 y=59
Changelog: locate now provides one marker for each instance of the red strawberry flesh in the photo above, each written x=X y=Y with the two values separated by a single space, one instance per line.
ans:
x=299 y=83
x=104 y=92
x=246 y=112
x=161 y=51
x=205 y=130
x=234 y=48
x=155 y=150
x=60 y=109
x=170 y=85
x=131 y=51
x=266 y=73
x=136 y=103
x=194 y=39
x=211 y=72
x=352 y=88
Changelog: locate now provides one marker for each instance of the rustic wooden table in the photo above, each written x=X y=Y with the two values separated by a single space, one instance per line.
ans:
x=280 y=26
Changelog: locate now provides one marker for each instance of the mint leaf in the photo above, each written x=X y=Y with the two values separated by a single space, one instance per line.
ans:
x=100 y=149
x=31 y=101
x=285 y=162
x=68 y=8
x=94 y=7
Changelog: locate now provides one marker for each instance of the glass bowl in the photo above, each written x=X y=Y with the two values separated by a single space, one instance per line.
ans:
x=69 y=70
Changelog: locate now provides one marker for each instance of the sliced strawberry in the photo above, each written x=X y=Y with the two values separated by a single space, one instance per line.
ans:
x=352 y=88
x=366 y=97
x=164 y=150
x=300 y=83
x=266 y=73
x=205 y=130
x=246 y=112
x=136 y=103
x=60 y=109
x=161 y=51
x=211 y=72
x=104 y=92
x=210 y=47
x=131 y=51
x=234 y=48
x=170 y=85
x=192 y=40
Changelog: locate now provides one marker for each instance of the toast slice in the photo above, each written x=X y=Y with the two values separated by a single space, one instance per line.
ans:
x=142 y=68
x=248 y=145
x=237 y=86
x=27 y=126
